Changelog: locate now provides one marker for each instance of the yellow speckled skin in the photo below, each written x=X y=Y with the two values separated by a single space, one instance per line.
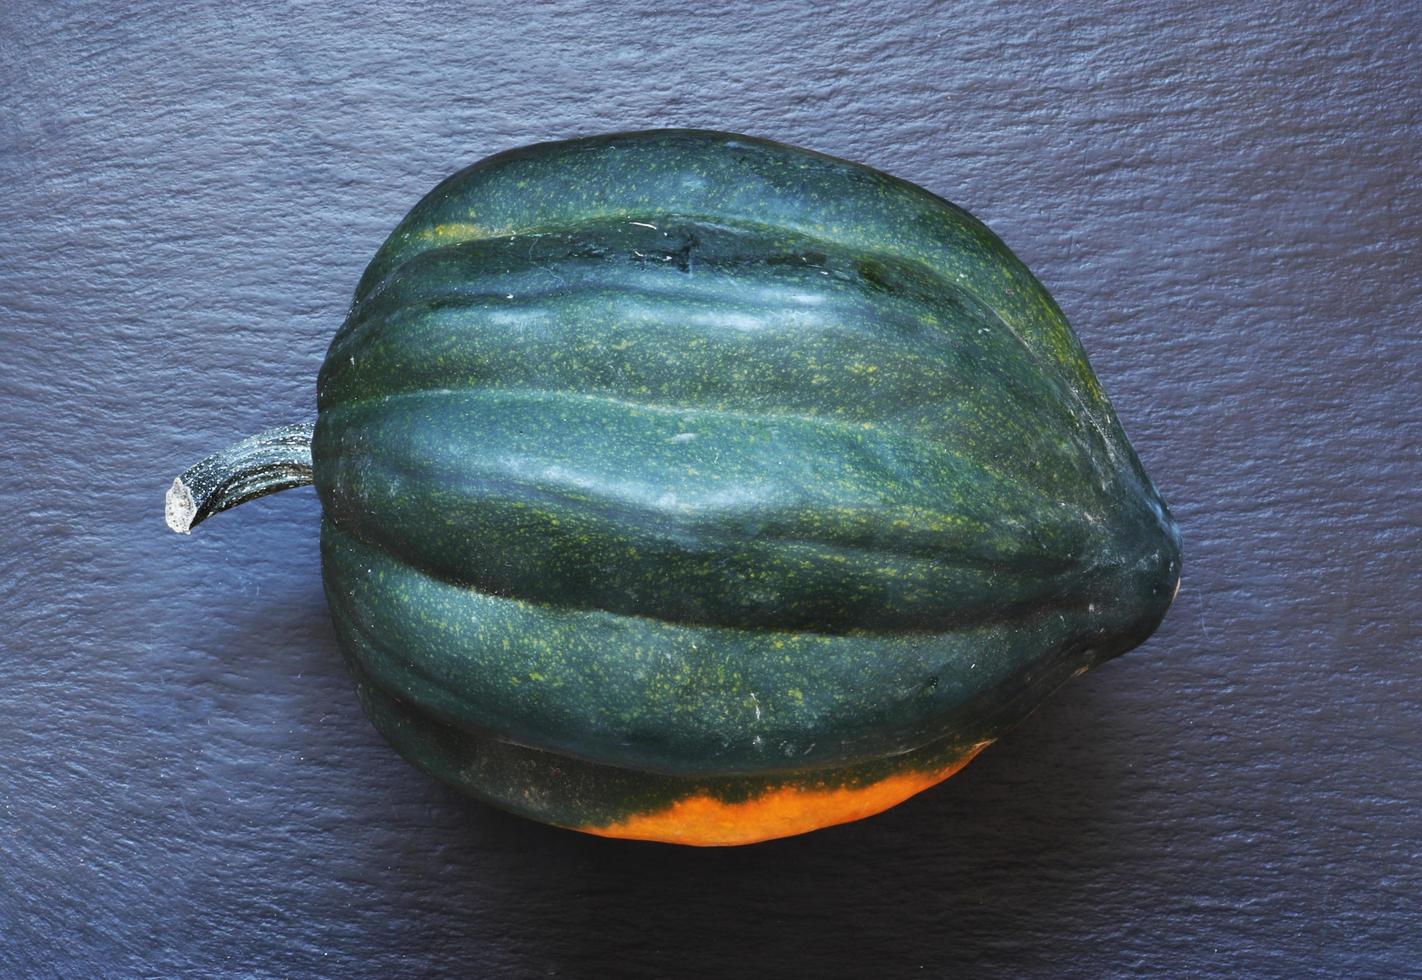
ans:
x=689 y=486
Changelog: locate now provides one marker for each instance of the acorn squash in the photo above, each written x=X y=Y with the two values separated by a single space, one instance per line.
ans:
x=693 y=487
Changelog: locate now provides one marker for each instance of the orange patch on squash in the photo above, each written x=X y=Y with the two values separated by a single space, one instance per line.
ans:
x=704 y=821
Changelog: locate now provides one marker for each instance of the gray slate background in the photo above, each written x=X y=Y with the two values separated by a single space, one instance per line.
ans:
x=1225 y=200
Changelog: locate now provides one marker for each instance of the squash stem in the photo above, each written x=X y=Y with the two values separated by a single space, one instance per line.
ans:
x=277 y=459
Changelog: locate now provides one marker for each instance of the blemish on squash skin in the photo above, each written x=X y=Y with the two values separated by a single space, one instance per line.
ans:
x=703 y=820
x=454 y=232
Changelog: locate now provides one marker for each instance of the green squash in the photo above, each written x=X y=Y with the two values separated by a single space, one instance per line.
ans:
x=693 y=487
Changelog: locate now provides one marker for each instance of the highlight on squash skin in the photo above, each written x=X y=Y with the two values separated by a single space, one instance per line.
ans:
x=704 y=821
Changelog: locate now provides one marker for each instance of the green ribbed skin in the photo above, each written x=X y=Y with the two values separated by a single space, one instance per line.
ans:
x=678 y=462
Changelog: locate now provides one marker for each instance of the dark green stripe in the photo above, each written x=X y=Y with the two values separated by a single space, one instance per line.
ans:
x=758 y=326
x=693 y=515
x=572 y=792
x=715 y=177
x=651 y=694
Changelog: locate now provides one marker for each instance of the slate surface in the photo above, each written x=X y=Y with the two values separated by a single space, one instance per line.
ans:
x=1225 y=200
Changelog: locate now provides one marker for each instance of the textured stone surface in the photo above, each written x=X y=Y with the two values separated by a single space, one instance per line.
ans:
x=1225 y=201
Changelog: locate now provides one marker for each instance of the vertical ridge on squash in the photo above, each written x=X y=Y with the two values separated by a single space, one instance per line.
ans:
x=698 y=173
